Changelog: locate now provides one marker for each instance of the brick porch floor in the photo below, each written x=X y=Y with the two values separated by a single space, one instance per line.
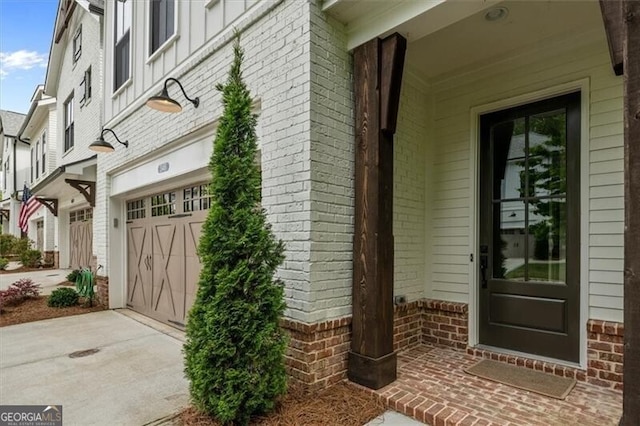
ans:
x=433 y=388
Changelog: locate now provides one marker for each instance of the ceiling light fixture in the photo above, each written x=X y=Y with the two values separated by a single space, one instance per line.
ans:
x=163 y=102
x=496 y=14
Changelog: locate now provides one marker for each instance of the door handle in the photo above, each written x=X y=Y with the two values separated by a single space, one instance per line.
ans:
x=484 y=263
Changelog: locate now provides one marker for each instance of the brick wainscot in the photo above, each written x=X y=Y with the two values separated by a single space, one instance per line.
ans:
x=317 y=353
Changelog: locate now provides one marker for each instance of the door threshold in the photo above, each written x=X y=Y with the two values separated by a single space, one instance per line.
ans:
x=533 y=357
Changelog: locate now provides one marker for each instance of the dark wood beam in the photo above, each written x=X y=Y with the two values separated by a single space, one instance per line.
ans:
x=394 y=48
x=4 y=214
x=86 y=188
x=378 y=66
x=631 y=367
x=612 y=11
x=51 y=204
x=68 y=8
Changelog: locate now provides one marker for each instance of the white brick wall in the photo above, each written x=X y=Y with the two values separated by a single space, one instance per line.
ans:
x=276 y=70
x=332 y=168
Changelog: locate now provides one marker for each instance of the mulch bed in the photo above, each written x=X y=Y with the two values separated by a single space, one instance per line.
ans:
x=36 y=309
x=341 y=404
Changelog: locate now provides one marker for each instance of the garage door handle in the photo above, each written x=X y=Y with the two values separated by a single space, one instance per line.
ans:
x=176 y=216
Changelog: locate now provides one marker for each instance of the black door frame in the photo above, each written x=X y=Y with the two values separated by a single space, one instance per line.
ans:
x=574 y=161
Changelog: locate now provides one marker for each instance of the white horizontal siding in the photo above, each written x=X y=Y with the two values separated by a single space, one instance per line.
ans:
x=449 y=229
x=409 y=191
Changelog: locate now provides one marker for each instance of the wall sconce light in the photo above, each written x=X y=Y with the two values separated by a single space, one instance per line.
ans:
x=100 y=145
x=164 y=103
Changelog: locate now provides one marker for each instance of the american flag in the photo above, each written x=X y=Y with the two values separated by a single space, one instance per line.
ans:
x=29 y=206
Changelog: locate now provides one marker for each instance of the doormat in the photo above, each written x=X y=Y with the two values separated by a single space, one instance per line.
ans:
x=523 y=378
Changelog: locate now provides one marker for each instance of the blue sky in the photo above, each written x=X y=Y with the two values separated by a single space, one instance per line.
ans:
x=26 y=28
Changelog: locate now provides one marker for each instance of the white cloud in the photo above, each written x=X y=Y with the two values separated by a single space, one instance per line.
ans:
x=20 y=60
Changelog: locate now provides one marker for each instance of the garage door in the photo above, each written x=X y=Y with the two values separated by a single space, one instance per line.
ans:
x=80 y=238
x=163 y=231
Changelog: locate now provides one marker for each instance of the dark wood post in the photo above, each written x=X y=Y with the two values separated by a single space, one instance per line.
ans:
x=378 y=67
x=631 y=61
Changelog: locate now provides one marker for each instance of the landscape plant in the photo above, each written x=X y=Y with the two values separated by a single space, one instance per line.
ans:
x=18 y=291
x=63 y=297
x=4 y=262
x=30 y=258
x=21 y=245
x=73 y=275
x=234 y=353
x=7 y=243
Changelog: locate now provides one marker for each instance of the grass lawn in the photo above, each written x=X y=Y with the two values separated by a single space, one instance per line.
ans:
x=540 y=272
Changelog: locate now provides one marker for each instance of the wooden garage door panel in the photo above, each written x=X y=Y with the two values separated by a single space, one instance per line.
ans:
x=139 y=268
x=80 y=244
x=193 y=230
x=168 y=271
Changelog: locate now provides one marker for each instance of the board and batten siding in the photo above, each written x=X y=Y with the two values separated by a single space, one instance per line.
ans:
x=197 y=22
x=450 y=182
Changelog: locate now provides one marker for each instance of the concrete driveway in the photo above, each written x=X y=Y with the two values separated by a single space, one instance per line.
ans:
x=135 y=378
x=47 y=278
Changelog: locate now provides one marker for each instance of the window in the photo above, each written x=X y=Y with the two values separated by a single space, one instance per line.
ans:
x=68 y=124
x=136 y=209
x=85 y=87
x=196 y=198
x=162 y=22
x=44 y=151
x=80 y=215
x=37 y=159
x=121 y=51
x=163 y=204
x=4 y=173
x=77 y=45
x=32 y=160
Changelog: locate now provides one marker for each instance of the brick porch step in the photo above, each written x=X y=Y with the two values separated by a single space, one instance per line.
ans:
x=433 y=388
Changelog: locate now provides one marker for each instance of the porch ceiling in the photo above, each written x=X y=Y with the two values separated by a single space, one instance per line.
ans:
x=475 y=40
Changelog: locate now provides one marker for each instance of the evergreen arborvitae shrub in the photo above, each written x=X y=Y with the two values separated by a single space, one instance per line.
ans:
x=234 y=353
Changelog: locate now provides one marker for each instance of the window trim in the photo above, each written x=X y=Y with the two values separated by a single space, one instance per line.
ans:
x=44 y=152
x=152 y=56
x=86 y=88
x=37 y=160
x=70 y=125
x=117 y=90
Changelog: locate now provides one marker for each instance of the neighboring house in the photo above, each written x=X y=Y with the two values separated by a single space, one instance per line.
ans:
x=423 y=213
x=14 y=154
x=74 y=76
x=40 y=129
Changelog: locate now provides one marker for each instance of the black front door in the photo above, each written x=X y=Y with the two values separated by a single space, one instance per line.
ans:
x=529 y=271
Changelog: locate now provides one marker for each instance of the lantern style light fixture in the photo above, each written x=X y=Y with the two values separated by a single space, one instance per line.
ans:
x=100 y=145
x=163 y=102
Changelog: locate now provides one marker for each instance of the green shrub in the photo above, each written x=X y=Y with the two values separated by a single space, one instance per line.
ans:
x=63 y=297
x=21 y=245
x=4 y=262
x=7 y=243
x=234 y=353
x=30 y=258
x=73 y=275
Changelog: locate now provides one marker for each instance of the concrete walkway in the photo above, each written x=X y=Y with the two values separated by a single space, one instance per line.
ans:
x=135 y=378
x=47 y=278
